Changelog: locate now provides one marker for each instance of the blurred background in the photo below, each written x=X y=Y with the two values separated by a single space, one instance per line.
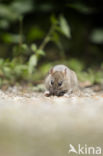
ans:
x=36 y=34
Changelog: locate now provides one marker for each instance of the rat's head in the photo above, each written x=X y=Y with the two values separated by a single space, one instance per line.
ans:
x=57 y=84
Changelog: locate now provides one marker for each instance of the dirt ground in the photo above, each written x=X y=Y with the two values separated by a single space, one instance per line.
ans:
x=34 y=125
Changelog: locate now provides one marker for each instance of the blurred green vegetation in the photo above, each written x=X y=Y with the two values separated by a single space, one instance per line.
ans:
x=36 y=34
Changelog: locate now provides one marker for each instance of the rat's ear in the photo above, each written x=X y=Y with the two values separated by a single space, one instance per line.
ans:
x=65 y=71
x=51 y=71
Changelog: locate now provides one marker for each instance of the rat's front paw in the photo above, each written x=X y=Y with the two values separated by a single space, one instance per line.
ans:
x=47 y=93
x=66 y=95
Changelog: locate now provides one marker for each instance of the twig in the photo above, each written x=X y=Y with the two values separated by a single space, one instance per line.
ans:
x=47 y=38
x=21 y=30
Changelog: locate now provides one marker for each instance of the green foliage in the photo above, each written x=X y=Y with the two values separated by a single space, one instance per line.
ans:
x=65 y=29
x=32 y=63
x=35 y=35
x=16 y=8
x=10 y=38
x=91 y=76
x=97 y=36
x=12 y=70
x=81 y=7
x=76 y=65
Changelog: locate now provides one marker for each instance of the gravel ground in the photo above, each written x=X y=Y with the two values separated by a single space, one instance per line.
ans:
x=34 y=125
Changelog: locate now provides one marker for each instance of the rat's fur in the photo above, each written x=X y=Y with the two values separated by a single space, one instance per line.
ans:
x=61 y=74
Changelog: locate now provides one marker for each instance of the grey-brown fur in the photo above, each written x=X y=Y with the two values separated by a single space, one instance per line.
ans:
x=61 y=81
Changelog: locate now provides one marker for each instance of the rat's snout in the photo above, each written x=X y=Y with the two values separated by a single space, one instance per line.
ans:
x=54 y=91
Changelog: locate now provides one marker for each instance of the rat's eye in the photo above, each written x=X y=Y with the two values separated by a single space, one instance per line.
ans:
x=52 y=82
x=60 y=83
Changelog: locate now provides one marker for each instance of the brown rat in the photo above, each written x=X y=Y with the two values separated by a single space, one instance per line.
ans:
x=61 y=81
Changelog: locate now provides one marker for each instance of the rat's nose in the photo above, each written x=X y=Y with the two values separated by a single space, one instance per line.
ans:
x=54 y=92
